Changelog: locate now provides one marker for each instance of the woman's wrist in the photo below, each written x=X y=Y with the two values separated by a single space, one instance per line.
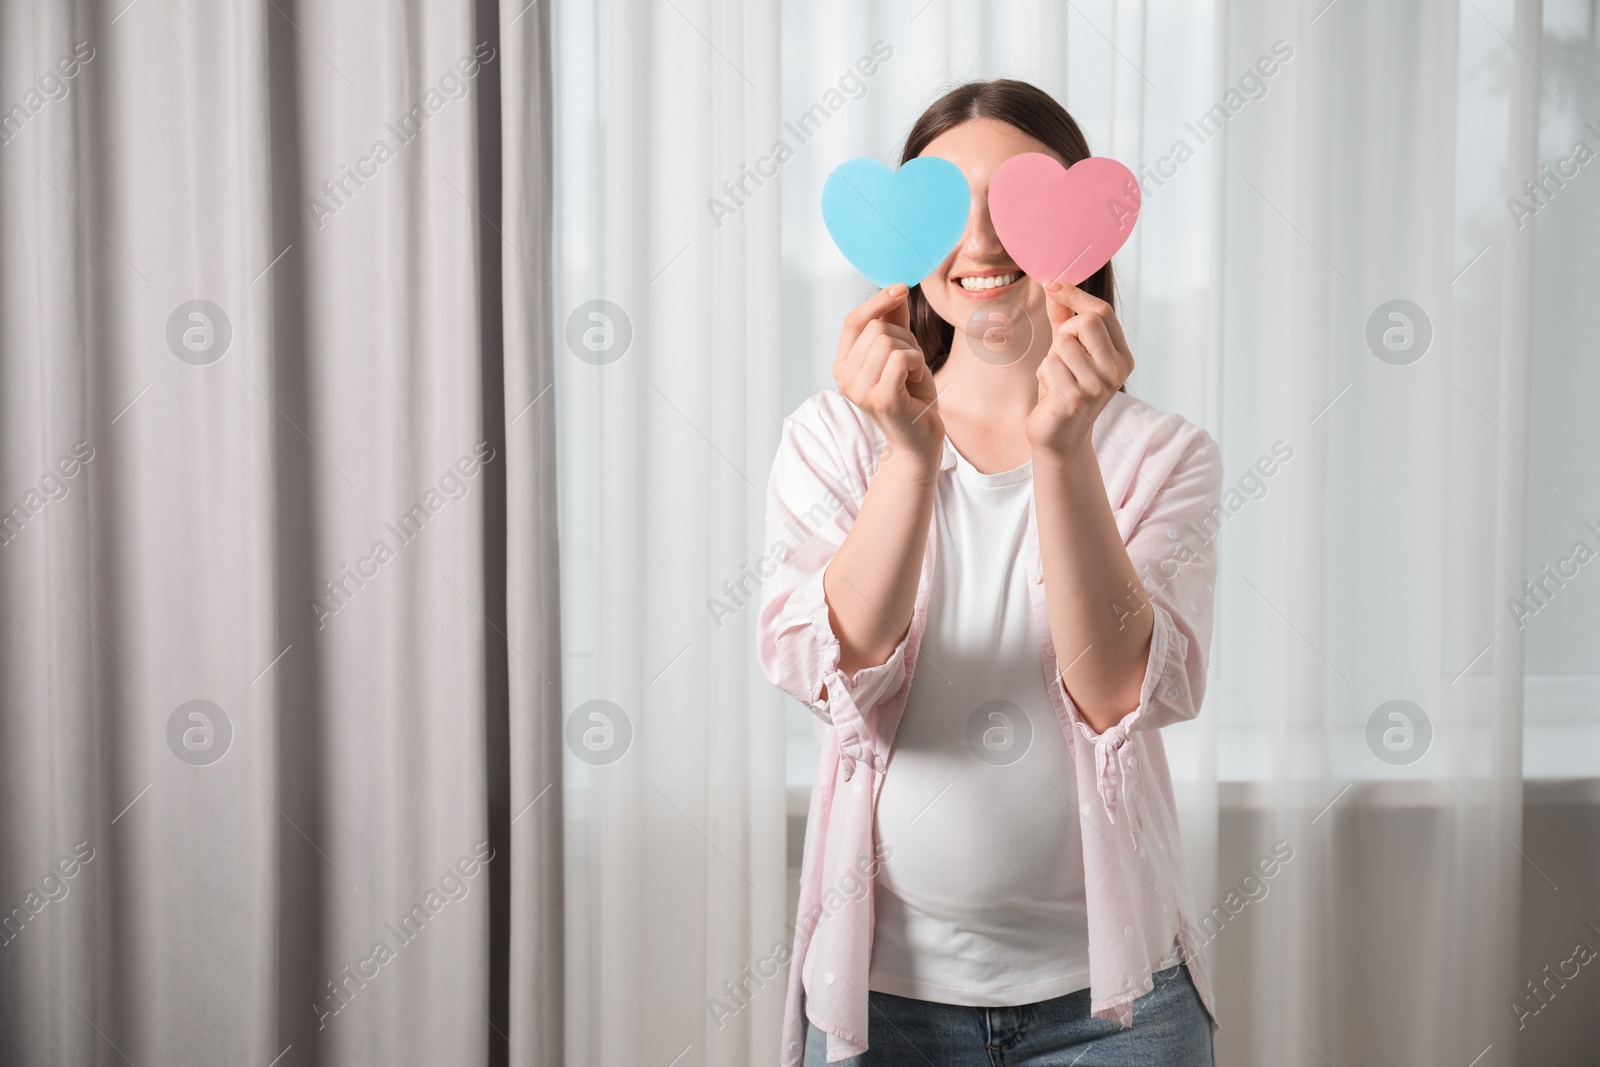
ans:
x=915 y=464
x=1064 y=461
x=919 y=459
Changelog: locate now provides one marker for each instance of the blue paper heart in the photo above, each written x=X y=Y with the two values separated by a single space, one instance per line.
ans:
x=896 y=225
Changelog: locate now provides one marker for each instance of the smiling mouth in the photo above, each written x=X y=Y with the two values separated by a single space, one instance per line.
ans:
x=975 y=283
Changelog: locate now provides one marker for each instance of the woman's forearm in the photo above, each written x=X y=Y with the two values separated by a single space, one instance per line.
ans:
x=871 y=583
x=1100 y=618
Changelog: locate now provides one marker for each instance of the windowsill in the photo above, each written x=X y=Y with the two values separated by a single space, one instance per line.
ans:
x=1397 y=793
x=1410 y=793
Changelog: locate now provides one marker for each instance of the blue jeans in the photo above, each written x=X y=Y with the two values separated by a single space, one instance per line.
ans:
x=1170 y=1028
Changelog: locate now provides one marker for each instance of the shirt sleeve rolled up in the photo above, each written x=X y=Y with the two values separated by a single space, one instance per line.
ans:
x=811 y=506
x=1172 y=547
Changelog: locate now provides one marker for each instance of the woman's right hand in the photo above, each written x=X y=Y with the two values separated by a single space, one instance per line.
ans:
x=881 y=369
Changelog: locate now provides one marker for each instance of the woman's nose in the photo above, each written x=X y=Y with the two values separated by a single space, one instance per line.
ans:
x=981 y=242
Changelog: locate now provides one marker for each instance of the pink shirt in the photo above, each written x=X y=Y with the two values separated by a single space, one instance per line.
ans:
x=1163 y=476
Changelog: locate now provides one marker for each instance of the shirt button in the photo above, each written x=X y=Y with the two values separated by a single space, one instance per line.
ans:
x=828 y=978
x=1128 y=930
x=1133 y=761
x=1172 y=692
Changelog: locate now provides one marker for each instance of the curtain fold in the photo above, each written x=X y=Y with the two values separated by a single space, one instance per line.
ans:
x=668 y=381
x=280 y=654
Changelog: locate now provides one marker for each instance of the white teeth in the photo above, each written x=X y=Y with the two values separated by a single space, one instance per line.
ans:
x=994 y=282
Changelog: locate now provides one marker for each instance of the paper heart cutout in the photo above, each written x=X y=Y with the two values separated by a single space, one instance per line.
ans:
x=1062 y=223
x=896 y=225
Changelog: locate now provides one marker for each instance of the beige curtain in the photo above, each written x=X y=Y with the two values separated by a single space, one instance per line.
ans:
x=279 y=675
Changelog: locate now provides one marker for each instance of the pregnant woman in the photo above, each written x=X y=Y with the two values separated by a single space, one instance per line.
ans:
x=999 y=590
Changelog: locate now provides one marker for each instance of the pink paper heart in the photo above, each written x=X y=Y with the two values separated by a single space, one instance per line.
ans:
x=1060 y=223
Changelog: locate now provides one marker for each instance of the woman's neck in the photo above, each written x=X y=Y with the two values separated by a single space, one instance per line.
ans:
x=989 y=389
x=984 y=399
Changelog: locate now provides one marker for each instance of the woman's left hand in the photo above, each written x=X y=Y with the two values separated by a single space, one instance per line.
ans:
x=1088 y=361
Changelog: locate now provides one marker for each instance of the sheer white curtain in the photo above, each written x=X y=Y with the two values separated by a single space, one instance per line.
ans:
x=1563 y=662
x=669 y=402
x=1376 y=317
x=1305 y=168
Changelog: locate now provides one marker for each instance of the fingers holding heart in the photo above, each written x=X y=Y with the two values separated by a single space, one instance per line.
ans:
x=1087 y=363
x=887 y=352
x=1064 y=302
x=1090 y=333
x=1058 y=380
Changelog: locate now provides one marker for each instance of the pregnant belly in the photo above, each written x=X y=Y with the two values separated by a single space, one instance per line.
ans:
x=969 y=838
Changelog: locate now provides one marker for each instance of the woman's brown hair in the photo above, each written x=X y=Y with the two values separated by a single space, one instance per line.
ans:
x=1034 y=112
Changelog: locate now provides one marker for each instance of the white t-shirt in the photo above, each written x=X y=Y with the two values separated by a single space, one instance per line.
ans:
x=982 y=899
